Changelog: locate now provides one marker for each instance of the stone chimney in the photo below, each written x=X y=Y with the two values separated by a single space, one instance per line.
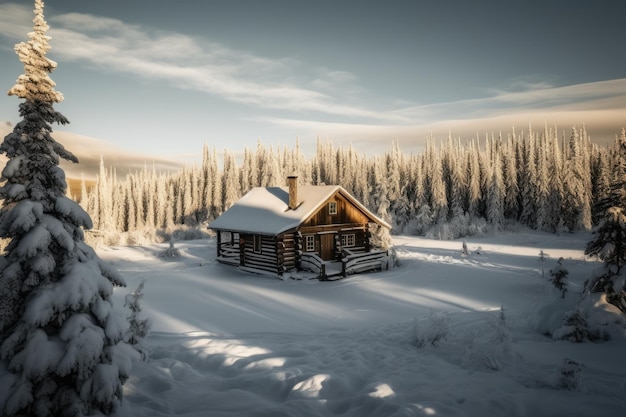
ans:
x=292 y=181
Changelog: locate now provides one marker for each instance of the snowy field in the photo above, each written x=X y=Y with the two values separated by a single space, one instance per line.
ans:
x=228 y=343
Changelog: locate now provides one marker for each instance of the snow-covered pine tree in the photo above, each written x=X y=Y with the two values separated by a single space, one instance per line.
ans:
x=556 y=193
x=495 y=195
x=610 y=241
x=216 y=186
x=61 y=343
x=474 y=195
x=139 y=325
x=186 y=206
x=544 y=219
x=380 y=235
x=511 y=207
x=528 y=181
x=559 y=277
x=601 y=180
x=230 y=186
x=439 y=201
x=103 y=220
x=576 y=208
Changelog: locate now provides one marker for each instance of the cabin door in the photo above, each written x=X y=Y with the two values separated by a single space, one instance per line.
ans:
x=327 y=246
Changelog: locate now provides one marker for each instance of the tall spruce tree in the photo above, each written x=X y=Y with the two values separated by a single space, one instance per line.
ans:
x=610 y=241
x=62 y=348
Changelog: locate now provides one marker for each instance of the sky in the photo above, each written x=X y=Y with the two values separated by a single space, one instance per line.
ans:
x=162 y=78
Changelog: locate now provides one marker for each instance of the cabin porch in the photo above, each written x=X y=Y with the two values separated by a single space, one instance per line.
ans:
x=351 y=262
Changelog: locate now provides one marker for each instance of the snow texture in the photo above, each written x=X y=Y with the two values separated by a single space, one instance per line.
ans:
x=228 y=343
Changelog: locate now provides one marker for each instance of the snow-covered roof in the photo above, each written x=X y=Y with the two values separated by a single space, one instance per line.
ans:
x=266 y=210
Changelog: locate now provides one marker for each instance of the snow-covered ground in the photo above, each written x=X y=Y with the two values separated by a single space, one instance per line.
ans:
x=228 y=343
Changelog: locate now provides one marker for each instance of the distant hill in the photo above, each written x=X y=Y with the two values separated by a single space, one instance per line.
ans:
x=89 y=150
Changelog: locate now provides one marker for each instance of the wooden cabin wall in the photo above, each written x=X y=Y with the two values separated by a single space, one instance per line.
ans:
x=265 y=260
x=288 y=245
x=346 y=214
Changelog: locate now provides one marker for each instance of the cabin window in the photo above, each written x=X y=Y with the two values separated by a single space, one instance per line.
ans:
x=348 y=240
x=256 y=245
x=332 y=207
x=309 y=243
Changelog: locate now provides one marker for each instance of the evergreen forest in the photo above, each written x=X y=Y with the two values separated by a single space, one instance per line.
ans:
x=546 y=180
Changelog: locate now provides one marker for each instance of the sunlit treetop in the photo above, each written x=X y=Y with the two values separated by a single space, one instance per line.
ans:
x=35 y=84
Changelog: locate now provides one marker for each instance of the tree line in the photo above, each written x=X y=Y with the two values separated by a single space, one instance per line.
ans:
x=548 y=180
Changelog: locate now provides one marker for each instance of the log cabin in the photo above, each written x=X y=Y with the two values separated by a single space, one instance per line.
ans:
x=321 y=228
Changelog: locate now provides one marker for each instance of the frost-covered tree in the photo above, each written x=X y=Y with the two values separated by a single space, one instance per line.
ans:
x=62 y=348
x=544 y=219
x=139 y=325
x=558 y=276
x=495 y=195
x=439 y=201
x=230 y=186
x=577 y=205
x=610 y=241
x=473 y=182
x=511 y=207
x=528 y=182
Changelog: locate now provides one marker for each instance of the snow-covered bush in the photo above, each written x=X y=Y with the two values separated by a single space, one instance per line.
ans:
x=575 y=327
x=591 y=318
x=569 y=375
x=380 y=237
x=488 y=346
x=432 y=330
x=170 y=252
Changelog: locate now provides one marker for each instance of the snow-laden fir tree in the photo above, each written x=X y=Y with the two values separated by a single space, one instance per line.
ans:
x=610 y=241
x=139 y=325
x=62 y=348
x=558 y=276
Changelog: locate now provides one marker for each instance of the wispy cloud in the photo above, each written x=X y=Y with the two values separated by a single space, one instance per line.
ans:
x=309 y=97
x=14 y=19
x=191 y=63
x=600 y=106
x=599 y=95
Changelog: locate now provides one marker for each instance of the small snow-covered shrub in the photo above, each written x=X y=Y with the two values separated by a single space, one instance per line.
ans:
x=593 y=319
x=488 y=346
x=558 y=277
x=613 y=285
x=432 y=330
x=139 y=326
x=502 y=333
x=170 y=252
x=569 y=375
x=393 y=259
x=464 y=251
x=182 y=232
x=574 y=329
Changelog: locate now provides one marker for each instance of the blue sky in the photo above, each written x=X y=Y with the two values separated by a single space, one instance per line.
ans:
x=164 y=77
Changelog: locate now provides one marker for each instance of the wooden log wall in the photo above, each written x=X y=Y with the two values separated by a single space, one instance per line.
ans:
x=289 y=254
x=266 y=259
